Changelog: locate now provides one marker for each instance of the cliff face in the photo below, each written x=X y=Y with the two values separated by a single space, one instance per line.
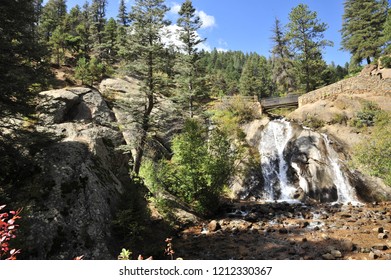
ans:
x=76 y=180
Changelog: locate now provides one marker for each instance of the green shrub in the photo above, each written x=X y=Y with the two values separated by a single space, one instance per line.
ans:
x=201 y=165
x=367 y=116
x=339 y=119
x=374 y=154
x=313 y=122
x=386 y=61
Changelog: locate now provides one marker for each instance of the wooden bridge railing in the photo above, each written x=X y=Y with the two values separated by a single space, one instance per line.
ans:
x=290 y=100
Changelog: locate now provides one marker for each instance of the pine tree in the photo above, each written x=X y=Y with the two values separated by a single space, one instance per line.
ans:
x=306 y=34
x=98 y=22
x=109 y=44
x=146 y=52
x=53 y=14
x=123 y=17
x=188 y=79
x=362 y=28
x=20 y=50
x=282 y=59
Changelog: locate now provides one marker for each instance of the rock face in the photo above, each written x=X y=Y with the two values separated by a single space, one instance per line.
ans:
x=78 y=181
x=166 y=118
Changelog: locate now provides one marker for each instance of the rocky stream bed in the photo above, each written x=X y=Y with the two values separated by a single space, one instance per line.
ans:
x=282 y=231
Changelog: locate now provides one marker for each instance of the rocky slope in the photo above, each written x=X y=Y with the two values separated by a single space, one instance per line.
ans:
x=76 y=176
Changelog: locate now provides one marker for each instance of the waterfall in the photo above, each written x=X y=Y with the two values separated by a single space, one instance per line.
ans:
x=276 y=166
x=346 y=193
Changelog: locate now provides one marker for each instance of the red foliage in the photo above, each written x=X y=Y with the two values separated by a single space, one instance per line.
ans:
x=7 y=232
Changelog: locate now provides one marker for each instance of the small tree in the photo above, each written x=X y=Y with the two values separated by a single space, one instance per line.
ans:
x=200 y=167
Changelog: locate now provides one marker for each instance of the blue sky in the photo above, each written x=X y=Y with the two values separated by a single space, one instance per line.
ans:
x=246 y=25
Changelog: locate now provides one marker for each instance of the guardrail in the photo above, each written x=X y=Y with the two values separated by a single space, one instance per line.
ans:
x=289 y=100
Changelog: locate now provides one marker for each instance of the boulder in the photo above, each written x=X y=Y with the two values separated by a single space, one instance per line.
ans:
x=213 y=226
x=79 y=179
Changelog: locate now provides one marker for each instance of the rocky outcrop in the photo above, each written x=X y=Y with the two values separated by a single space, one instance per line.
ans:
x=128 y=104
x=79 y=177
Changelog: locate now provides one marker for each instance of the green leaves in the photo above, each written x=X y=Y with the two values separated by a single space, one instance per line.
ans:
x=306 y=33
x=201 y=165
x=362 y=28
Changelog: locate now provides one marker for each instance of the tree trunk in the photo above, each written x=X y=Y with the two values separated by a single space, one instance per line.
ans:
x=368 y=60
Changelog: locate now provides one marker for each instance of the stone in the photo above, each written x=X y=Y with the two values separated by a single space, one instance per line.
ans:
x=336 y=253
x=213 y=226
x=348 y=245
x=382 y=236
x=375 y=254
x=325 y=236
x=283 y=230
x=380 y=247
x=328 y=256
x=378 y=229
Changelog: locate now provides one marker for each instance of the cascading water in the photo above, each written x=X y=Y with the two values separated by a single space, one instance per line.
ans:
x=345 y=191
x=275 y=167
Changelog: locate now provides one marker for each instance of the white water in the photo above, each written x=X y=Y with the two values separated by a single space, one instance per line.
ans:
x=346 y=193
x=274 y=167
x=274 y=139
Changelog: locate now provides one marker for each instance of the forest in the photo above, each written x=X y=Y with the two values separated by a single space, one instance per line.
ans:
x=39 y=40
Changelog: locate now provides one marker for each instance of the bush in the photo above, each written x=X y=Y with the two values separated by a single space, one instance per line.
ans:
x=339 y=119
x=7 y=232
x=374 y=154
x=201 y=165
x=367 y=116
x=313 y=122
x=385 y=61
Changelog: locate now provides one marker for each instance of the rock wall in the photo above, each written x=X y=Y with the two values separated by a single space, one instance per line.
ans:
x=70 y=199
x=355 y=85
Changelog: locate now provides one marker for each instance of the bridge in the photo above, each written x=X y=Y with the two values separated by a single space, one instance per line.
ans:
x=266 y=104
x=291 y=100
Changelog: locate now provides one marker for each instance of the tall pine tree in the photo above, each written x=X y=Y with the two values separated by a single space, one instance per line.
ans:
x=306 y=33
x=282 y=60
x=188 y=67
x=362 y=28
x=146 y=54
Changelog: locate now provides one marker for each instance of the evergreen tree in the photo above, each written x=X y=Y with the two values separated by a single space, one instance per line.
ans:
x=256 y=77
x=20 y=51
x=123 y=17
x=53 y=15
x=83 y=29
x=306 y=34
x=98 y=21
x=282 y=59
x=109 y=44
x=362 y=28
x=188 y=79
x=73 y=39
x=146 y=58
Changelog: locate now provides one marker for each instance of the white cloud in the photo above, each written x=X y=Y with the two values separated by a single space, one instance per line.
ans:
x=221 y=50
x=208 y=21
x=170 y=37
x=175 y=8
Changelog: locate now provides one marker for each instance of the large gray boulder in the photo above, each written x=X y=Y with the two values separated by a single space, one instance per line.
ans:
x=79 y=178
